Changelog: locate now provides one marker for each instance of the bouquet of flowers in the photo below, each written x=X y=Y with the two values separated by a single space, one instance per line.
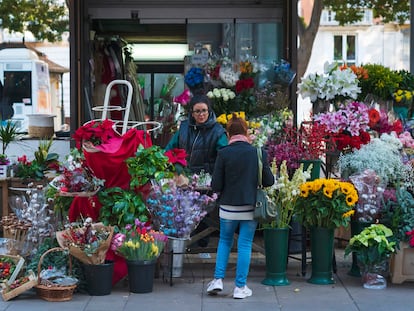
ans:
x=77 y=178
x=334 y=83
x=381 y=155
x=43 y=161
x=326 y=203
x=177 y=211
x=87 y=242
x=284 y=75
x=371 y=190
x=222 y=100
x=381 y=122
x=347 y=127
x=139 y=241
x=194 y=78
x=285 y=191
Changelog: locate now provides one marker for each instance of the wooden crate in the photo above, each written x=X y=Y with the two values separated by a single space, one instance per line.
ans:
x=8 y=294
x=18 y=261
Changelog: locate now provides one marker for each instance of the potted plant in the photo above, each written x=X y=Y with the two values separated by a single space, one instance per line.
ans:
x=8 y=133
x=121 y=206
x=373 y=246
x=284 y=193
x=35 y=170
x=141 y=246
x=380 y=83
x=149 y=165
x=89 y=243
x=323 y=205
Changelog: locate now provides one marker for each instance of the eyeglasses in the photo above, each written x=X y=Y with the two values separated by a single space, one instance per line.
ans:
x=200 y=111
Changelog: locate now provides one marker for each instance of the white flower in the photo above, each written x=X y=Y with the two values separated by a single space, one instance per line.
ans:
x=332 y=83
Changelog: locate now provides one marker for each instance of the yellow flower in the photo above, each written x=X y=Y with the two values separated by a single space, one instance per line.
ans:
x=154 y=250
x=348 y=213
x=351 y=199
x=222 y=119
x=327 y=192
x=317 y=185
x=304 y=190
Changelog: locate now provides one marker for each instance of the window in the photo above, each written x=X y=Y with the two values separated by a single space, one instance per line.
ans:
x=345 y=49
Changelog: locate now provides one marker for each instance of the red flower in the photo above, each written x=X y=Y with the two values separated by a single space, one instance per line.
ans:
x=97 y=132
x=23 y=160
x=345 y=141
x=177 y=156
x=244 y=84
x=411 y=238
x=397 y=126
x=374 y=117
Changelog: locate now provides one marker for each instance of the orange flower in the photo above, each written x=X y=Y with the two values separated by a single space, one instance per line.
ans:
x=374 y=117
x=361 y=72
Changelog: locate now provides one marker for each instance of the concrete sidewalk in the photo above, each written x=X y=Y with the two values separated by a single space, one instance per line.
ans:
x=187 y=293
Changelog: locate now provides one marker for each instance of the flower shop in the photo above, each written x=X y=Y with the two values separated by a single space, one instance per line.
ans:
x=120 y=207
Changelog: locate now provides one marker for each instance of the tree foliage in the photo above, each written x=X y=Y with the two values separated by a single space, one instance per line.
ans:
x=45 y=19
x=347 y=12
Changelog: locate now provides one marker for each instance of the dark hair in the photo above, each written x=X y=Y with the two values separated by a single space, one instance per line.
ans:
x=200 y=99
x=236 y=126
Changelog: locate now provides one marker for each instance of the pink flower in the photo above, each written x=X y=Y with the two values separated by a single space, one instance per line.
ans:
x=117 y=241
x=183 y=98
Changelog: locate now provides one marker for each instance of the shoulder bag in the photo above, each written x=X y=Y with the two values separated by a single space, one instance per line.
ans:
x=265 y=209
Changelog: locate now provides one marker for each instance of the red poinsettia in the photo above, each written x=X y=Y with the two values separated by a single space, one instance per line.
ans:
x=96 y=131
x=177 y=156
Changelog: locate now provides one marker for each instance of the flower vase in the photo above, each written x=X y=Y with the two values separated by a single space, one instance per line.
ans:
x=356 y=228
x=373 y=275
x=401 y=112
x=141 y=275
x=276 y=252
x=322 y=245
x=3 y=171
x=99 y=278
x=175 y=251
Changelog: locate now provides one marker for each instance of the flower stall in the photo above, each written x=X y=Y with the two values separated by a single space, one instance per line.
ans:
x=120 y=199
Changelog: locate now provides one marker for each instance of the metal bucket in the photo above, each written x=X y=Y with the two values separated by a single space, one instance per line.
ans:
x=175 y=256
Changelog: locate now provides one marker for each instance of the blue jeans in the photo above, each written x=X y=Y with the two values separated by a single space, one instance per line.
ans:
x=228 y=227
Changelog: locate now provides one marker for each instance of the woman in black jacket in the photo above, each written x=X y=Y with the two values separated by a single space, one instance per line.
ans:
x=200 y=135
x=235 y=178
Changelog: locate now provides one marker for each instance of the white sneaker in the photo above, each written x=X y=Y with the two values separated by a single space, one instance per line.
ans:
x=215 y=286
x=242 y=292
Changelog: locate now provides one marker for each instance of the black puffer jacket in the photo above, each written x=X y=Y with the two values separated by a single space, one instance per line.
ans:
x=201 y=141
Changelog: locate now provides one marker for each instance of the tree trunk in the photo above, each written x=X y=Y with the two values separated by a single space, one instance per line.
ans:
x=307 y=34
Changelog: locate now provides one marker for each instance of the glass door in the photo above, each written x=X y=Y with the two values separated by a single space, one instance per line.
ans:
x=160 y=83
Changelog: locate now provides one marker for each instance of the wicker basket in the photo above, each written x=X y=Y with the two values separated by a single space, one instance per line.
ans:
x=52 y=292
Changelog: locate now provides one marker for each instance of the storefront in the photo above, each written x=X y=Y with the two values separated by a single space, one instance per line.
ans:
x=107 y=35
